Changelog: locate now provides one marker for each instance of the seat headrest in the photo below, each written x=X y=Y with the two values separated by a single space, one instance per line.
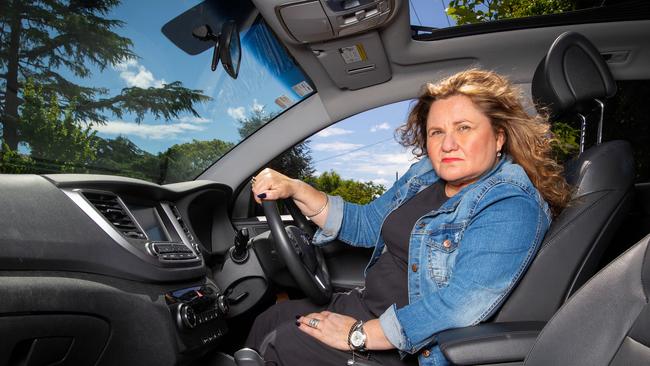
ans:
x=571 y=75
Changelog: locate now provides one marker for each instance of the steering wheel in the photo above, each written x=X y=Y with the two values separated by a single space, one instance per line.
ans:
x=304 y=260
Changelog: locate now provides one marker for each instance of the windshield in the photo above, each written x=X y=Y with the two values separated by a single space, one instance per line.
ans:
x=95 y=87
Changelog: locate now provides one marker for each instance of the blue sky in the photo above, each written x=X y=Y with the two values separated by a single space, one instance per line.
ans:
x=361 y=147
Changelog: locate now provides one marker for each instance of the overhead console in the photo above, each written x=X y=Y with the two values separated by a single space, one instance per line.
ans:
x=313 y=21
x=343 y=36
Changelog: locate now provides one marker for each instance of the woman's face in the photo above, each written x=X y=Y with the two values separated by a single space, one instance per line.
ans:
x=461 y=142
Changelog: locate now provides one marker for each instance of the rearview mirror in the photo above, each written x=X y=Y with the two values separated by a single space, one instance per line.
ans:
x=227 y=46
x=230 y=48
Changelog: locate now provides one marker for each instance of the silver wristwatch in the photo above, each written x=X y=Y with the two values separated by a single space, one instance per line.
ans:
x=357 y=337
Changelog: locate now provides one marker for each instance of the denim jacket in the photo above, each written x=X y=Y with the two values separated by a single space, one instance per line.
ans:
x=464 y=258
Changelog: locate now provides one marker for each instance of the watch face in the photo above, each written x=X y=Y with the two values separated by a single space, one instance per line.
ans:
x=358 y=339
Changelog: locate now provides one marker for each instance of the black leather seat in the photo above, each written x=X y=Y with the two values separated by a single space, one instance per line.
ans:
x=566 y=82
x=607 y=322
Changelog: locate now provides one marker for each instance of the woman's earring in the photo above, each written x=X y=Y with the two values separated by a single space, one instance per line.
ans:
x=498 y=154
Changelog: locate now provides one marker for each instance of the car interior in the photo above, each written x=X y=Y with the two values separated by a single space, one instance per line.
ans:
x=111 y=270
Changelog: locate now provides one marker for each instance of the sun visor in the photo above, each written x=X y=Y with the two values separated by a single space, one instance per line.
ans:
x=314 y=21
x=354 y=62
x=212 y=13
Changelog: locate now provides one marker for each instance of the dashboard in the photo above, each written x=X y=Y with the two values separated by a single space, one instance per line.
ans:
x=110 y=270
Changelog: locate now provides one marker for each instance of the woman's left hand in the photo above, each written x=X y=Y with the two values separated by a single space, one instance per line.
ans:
x=331 y=328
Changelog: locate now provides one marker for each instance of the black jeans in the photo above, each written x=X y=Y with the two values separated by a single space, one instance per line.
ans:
x=276 y=337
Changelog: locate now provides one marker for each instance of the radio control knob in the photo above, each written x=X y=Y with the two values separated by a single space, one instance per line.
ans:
x=187 y=316
x=222 y=304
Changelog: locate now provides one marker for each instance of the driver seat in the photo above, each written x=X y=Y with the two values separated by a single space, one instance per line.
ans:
x=566 y=82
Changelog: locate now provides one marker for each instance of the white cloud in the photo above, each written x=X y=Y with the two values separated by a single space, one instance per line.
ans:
x=333 y=131
x=355 y=155
x=146 y=131
x=137 y=75
x=401 y=158
x=124 y=65
x=382 y=164
x=385 y=182
x=196 y=120
x=237 y=113
x=377 y=164
x=335 y=146
x=382 y=126
x=256 y=107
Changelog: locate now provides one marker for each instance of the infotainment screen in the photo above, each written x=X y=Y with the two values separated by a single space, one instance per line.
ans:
x=150 y=222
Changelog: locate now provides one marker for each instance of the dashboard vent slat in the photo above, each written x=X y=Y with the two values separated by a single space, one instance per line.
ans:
x=109 y=206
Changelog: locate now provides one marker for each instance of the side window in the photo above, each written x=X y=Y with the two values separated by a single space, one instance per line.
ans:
x=357 y=158
x=626 y=118
x=628 y=114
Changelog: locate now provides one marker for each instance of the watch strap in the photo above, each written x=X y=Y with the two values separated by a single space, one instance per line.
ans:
x=357 y=326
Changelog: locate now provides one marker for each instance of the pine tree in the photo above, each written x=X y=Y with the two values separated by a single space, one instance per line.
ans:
x=39 y=39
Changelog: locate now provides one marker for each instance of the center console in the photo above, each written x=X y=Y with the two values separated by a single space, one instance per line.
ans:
x=199 y=314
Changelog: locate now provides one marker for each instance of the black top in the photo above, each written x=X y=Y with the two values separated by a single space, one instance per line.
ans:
x=387 y=279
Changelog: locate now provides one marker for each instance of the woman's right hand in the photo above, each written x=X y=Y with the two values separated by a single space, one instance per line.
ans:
x=272 y=185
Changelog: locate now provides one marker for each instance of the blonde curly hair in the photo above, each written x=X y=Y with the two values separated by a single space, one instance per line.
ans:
x=527 y=138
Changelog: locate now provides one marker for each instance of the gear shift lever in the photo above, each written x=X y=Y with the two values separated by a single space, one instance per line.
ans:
x=248 y=357
x=239 y=253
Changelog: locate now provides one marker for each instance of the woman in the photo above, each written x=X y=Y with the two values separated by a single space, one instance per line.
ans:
x=451 y=237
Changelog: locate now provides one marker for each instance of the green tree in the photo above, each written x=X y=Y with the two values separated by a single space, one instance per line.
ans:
x=186 y=161
x=479 y=11
x=350 y=190
x=565 y=141
x=121 y=156
x=39 y=39
x=359 y=192
x=13 y=162
x=295 y=162
x=56 y=142
x=327 y=182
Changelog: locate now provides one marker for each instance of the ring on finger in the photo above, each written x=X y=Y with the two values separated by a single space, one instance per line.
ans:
x=313 y=323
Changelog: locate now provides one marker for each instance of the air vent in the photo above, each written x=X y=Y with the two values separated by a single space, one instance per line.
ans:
x=186 y=230
x=615 y=57
x=109 y=206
